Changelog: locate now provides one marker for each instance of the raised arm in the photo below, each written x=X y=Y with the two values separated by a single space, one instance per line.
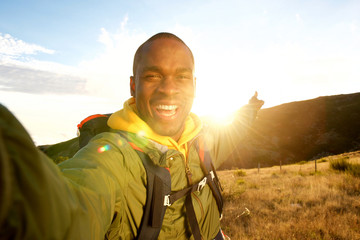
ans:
x=222 y=140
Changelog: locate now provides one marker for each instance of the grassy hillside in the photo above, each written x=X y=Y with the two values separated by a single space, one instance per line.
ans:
x=61 y=151
x=302 y=130
x=294 y=202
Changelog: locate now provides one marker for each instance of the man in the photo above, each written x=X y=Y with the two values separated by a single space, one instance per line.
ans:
x=101 y=192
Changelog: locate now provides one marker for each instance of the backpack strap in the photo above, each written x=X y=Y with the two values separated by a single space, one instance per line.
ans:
x=158 y=186
x=208 y=168
x=174 y=196
x=190 y=213
x=214 y=184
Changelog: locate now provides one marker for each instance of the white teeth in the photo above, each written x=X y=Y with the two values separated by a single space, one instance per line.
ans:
x=167 y=107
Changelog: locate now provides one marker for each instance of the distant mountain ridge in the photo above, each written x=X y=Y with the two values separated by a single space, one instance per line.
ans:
x=302 y=130
x=287 y=133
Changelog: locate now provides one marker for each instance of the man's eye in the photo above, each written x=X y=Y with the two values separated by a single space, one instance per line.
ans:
x=153 y=76
x=183 y=77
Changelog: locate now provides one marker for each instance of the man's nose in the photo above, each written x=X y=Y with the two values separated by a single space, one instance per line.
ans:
x=168 y=86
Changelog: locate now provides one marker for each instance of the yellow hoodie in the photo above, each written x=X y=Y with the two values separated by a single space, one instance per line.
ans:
x=127 y=119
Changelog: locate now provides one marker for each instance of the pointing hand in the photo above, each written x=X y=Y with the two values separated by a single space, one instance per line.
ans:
x=255 y=102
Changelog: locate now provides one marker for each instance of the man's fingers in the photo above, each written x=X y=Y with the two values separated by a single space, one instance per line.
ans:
x=254 y=98
x=255 y=101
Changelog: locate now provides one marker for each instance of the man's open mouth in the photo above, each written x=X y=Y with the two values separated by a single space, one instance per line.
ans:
x=166 y=110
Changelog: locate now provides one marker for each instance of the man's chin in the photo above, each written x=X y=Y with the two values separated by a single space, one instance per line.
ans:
x=168 y=131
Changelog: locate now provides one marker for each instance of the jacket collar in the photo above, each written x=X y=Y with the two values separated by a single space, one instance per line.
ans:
x=127 y=119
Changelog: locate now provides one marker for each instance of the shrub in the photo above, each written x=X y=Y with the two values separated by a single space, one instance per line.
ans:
x=240 y=181
x=274 y=175
x=60 y=159
x=302 y=162
x=354 y=169
x=343 y=165
x=240 y=173
x=340 y=164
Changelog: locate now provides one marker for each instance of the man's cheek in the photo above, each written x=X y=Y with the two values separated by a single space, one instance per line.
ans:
x=189 y=92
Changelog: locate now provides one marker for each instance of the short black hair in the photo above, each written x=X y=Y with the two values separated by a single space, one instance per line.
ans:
x=139 y=51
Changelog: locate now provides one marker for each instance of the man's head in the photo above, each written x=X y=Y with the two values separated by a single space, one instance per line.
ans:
x=163 y=83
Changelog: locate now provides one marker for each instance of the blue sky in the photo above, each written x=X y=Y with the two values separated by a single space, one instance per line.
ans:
x=61 y=61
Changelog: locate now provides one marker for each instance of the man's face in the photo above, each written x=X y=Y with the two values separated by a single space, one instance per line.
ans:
x=164 y=86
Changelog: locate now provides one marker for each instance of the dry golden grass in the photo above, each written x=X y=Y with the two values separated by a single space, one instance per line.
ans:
x=294 y=203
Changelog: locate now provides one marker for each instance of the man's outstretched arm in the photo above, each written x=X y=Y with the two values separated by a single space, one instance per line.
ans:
x=36 y=200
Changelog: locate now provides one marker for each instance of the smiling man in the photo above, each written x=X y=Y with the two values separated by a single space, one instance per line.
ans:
x=151 y=177
x=164 y=84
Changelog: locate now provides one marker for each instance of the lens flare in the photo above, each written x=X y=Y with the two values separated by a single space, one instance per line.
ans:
x=141 y=134
x=104 y=148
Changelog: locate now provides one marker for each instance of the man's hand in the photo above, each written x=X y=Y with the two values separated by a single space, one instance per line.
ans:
x=255 y=103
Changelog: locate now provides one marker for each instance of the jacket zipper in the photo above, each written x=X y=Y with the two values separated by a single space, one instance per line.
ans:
x=189 y=175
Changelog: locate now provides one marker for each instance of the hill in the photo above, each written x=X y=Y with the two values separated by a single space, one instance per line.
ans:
x=61 y=151
x=302 y=130
x=293 y=202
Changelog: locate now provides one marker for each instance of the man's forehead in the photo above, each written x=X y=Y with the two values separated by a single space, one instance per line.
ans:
x=162 y=43
x=159 y=69
x=163 y=49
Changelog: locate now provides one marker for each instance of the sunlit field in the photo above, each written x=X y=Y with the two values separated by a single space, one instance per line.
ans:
x=293 y=203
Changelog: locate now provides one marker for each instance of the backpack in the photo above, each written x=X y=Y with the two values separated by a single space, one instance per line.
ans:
x=91 y=126
x=159 y=194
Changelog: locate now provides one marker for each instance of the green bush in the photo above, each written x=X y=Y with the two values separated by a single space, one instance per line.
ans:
x=240 y=181
x=302 y=162
x=60 y=159
x=340 y=164
x=240 y=173
x=354 y=169
x=343 y=165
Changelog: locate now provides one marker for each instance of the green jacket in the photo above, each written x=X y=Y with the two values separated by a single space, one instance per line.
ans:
x=101 y=191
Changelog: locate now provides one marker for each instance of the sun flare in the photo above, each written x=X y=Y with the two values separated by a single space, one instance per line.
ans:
x=218 y=105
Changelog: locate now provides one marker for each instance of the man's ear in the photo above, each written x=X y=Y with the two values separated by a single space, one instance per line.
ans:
x=132 y=86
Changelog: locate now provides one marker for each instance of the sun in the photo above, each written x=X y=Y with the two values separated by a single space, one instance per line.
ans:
x=217 y=104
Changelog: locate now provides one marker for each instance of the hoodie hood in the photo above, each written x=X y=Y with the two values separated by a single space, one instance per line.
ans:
x=127 y=119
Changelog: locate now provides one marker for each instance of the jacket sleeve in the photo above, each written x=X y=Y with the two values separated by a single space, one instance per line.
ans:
x=222 y=140
x=38 y=201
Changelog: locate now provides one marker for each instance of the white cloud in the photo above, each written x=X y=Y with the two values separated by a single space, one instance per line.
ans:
x=108 y=74
x=106 y=39
x=22 y=73
x=124 y=22
x=12 y=47
x=17 y=78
